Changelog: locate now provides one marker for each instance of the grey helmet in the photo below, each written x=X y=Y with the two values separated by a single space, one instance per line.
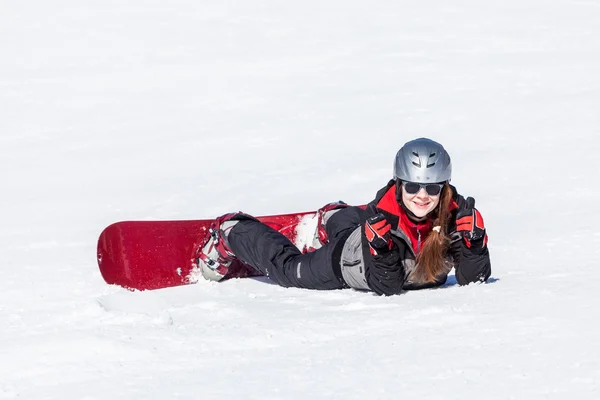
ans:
x=424 y=161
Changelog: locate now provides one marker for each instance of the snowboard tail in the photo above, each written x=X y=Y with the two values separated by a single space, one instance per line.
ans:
x=146 y=255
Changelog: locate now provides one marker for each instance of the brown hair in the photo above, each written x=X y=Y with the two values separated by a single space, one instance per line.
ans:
x=431 y=259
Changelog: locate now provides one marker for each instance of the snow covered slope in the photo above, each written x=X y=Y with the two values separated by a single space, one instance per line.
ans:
x=188 y=109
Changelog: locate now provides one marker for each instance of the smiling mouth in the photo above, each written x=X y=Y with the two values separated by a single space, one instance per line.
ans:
x=424 y=205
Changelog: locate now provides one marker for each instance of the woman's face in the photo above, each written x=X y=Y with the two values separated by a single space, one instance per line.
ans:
x=420 y=203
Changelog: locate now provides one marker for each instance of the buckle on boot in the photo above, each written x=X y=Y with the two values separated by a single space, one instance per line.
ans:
x=321 y=213
x=213 y=263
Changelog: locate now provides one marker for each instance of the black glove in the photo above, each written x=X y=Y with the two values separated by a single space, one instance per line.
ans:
x=469 y=223
x=377 y=231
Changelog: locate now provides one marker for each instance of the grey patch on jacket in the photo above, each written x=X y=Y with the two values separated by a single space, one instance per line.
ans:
x=352 y=262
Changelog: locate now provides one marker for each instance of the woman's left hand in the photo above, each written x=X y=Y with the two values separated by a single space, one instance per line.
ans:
x=469 y=222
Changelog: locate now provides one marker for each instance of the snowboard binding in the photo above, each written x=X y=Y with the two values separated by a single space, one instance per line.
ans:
x=214 y=256
x=323 y=214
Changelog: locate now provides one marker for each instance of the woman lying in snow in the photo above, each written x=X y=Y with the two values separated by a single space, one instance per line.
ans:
x=409 y=237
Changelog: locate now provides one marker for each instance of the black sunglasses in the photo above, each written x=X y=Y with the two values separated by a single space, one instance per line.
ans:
x=432 y=189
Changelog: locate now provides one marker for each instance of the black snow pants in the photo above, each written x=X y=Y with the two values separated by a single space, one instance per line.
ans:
x=274 y=255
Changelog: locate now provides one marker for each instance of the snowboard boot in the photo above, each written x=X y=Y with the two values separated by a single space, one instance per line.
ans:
x=323 y=215
x=214 y=255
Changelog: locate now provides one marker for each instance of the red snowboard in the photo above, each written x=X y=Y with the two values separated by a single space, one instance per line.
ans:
x=156 y=254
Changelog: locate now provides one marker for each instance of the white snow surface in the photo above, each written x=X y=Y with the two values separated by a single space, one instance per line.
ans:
x=187 y=109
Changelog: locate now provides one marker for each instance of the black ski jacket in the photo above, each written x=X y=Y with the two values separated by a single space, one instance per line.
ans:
x=389 y=272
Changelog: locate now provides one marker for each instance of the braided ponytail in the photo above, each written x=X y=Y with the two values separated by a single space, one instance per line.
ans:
x=431 y=259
